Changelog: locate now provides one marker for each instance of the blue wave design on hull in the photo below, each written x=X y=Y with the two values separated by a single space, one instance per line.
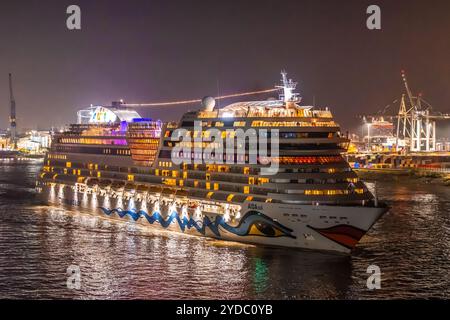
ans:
x=253 y=223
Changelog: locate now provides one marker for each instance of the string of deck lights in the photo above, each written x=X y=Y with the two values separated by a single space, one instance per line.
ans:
x=154 y=104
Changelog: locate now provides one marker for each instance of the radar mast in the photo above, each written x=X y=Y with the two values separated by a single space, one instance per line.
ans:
x=288 y=87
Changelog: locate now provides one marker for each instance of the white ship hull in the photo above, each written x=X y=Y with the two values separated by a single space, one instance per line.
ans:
x=323 y=227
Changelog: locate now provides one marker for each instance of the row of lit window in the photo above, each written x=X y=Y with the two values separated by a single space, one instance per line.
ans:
x=217 y=157
x=189 y=144
x=332 y=192
x=57 y=156
x=207 y=134
x=144 y=141
x=307 y=160
x=149 y=152
x=166 y=164
x=272 y=112
x=216 y=168
x=210 y=186
x=259 y=123
x=123 y=152
x=93 y=141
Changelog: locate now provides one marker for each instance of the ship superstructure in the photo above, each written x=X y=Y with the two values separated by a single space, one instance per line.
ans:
x=299 y=193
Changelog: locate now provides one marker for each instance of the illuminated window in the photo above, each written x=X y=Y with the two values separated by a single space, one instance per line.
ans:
x=249 y=198
x=246 y=170
x=251 y=180
x=196 y=183
x=130 y=177
x=170 y=182
x=246 y=189
x=65 y=171
x=208 y=177
x=216 y=186
x=181 y=183
x=223 y=169
x=208 y=185
x=99 y=174
x=230 y=197
x=68 y=164
x=166 y=173
x=268 y=200
x=209 y=195
x=185 y=175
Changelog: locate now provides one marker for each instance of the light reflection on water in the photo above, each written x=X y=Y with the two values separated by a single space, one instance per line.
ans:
x=127 y=261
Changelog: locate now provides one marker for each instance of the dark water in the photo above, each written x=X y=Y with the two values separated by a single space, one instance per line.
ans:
x=120 y=260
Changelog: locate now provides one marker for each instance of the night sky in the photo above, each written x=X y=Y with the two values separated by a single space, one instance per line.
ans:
x=147 y=51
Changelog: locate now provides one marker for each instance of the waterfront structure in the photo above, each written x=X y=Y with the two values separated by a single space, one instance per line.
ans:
x=34 y=141
x=116 y=163
x=380 y=136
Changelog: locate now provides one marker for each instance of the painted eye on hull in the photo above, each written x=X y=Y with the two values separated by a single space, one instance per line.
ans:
x=264 y=229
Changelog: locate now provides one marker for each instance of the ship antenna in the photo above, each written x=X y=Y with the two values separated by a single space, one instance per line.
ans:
x=288 y=87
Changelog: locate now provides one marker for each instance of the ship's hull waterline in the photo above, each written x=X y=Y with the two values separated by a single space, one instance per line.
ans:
x=327 y=228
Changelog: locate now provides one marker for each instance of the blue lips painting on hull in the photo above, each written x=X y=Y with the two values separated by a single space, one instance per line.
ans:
x=253 y=223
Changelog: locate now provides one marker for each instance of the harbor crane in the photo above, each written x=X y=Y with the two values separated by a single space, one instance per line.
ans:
x=416 y=121
x=416 y=124
x=12 y=117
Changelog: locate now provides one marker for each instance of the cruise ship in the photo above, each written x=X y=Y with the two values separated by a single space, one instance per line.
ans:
x=290 y=188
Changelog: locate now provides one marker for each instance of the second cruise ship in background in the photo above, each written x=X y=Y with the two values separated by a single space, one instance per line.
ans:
x=114 y=162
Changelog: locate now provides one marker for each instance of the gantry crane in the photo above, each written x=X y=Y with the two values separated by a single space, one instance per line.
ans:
x=12 y=117
x=414 y=122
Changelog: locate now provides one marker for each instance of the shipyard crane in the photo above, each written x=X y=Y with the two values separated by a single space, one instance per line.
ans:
x=12 y=117
x=414 y=123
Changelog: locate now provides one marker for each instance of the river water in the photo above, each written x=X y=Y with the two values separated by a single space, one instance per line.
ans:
x=119 y=260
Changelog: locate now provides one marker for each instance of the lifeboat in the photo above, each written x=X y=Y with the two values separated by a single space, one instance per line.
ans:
x=142 y=188
x=130 y=187
x=92 y=182
x=117 y=185
x=155 y=189
x=104 y=183
x=181 y=193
